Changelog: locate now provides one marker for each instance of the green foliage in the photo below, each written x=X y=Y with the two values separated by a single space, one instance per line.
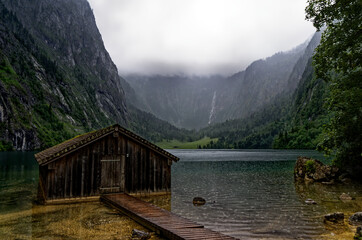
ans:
x=340 y=47
x=7 y=74
x=257 y=131
x=310 y=166
x=342 y=135
x=51 y=129
x=304 y=136
x=156 y=130
x=5 y=146
x=201 y=143
x=338 y=61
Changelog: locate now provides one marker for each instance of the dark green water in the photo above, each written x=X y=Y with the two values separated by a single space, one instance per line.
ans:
x=252 y=195
x=18 y=181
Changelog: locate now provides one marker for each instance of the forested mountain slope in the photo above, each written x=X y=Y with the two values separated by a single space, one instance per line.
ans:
x=257 y=86
x=293 y=120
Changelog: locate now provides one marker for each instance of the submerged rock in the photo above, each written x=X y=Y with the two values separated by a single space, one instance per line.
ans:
x=140 y=235
x=358 y=234
x=311 y=170
x=337 y=217
x=310 y=201
x=198 y=201
x=356 y=219
x=345 y=178
x=345 y=197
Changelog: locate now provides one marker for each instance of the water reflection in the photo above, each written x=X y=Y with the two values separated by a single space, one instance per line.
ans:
x=18 y=180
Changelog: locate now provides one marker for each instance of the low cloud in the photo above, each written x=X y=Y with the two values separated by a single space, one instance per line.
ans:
x=198 y=36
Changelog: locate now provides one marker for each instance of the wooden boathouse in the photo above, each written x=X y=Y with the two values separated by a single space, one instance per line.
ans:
x=109 y=160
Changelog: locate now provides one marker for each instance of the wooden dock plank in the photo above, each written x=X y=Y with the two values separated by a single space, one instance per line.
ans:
x=160 y=220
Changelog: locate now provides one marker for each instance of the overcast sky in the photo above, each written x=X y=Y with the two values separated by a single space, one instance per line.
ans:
x=198 y=36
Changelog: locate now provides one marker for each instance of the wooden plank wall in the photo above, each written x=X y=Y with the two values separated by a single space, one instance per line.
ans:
x=79 y=173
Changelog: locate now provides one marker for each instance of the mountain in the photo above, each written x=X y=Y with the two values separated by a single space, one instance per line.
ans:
x=194 y=102
x=308 y=113
x=57 y=77
x=58 y=80
x=294 y=119
x=184 y=101
x=258 y=85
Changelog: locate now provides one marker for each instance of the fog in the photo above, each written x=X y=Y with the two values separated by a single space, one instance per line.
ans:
x=198 y=36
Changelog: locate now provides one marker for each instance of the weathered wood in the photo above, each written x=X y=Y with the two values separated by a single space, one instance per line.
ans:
x=123 y=165
x=159 y=220
x=138 y=169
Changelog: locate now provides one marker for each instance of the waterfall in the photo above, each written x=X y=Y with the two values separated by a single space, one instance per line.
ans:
x=212 y=107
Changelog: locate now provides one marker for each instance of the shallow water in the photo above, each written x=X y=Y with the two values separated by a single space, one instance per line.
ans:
x=252 y=195
x=22 y=218
x=249 y=194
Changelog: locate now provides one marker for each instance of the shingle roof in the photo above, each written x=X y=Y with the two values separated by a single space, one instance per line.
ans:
x=73 y=144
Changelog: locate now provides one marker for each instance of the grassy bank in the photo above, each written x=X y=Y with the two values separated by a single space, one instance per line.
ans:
x=176 y=144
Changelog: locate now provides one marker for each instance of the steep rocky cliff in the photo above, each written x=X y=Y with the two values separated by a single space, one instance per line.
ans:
x=57 y=79
x=258 y=85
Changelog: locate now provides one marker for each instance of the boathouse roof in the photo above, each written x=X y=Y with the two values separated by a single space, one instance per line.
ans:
x=71 y=145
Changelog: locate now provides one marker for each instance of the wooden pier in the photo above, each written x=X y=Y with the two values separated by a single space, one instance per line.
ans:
x=161 y=221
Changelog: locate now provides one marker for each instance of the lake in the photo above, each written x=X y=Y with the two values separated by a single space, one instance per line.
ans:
x=250 y=194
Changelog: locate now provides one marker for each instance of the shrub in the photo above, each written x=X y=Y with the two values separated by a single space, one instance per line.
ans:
x=310 y=166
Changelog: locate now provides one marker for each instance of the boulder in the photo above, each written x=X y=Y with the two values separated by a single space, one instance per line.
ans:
x=356 y=219
x=358 y=234
x=140 y=235
x=311 y=170
x=345 y=178
x=345 y=197
x=337 y=217
x=310 y=201
x=198 y=201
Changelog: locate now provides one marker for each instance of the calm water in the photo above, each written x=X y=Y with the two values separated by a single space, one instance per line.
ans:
x=252 y=195
x=249 y=194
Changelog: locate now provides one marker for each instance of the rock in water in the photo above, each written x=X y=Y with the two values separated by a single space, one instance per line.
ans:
x=337 y=217
x=310 y=201
x=345 y=197
x=140 y=235
x=198 y=201
x=358 y=234
x=311 y=170
x=356 y=219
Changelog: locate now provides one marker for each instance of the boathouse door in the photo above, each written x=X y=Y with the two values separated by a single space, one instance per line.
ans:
x=112 y=174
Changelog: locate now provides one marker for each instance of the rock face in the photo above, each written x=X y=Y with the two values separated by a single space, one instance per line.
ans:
x=57 y=79
x=311 y=170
